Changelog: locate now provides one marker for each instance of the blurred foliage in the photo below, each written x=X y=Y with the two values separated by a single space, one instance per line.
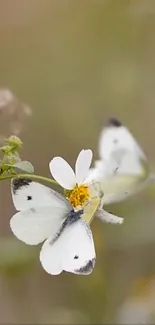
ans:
x=76 y=63
x=15 y=257
x=12 y=114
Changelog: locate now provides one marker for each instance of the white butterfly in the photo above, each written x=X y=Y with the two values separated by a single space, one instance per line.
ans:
x=122 y=168
x=46 y=215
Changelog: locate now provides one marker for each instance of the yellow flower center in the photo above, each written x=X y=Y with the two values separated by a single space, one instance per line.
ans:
x=78 y=196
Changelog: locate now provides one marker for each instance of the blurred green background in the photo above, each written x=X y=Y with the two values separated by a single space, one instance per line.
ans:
x=75 y=63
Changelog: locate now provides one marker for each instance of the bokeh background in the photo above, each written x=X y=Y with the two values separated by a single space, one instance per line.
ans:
x=68 y=66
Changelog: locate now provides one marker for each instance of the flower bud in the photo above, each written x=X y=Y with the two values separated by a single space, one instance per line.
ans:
x=14 y=141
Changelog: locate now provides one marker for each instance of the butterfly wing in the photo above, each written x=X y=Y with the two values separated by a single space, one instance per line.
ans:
x=122 y=168
x=90 y=209
x=80 y=249
x=73 y=251
x=27 y=194
x=33 y=226
x=117 y=143
x=42 y=211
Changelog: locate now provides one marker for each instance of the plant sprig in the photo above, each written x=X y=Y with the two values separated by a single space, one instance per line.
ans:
x=10 y=162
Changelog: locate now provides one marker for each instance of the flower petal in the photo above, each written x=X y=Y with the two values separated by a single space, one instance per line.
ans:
x=62 y=173
x=82 y=165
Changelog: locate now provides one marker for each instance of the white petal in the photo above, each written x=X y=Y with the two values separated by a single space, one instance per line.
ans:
x=82 y=166
x=109 y=217
x=62 y=173
x=34 y=225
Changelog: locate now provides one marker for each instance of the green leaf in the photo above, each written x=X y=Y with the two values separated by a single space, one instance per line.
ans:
x=26 y=166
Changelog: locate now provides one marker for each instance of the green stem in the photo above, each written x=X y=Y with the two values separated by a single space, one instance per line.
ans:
x=30 y=176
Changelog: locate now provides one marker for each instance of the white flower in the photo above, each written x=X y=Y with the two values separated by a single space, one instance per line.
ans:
x=80 y=189
x=63 y=173
x=78 y=193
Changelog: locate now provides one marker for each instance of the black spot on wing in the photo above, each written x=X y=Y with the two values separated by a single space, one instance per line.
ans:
x=76 y=257
x=18 y=183
x=87 y=269
x=72 y=217
x=113 y=121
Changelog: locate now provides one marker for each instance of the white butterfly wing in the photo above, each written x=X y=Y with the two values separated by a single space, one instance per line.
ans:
x=33 y=226
x=73 y=251
x=27 y=194
x=117 y=143
x=80 y=249
x=51 y=255
x=122 y=168
x=42 y=211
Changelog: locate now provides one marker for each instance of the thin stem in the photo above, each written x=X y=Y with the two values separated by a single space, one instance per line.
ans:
x=30 y=176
